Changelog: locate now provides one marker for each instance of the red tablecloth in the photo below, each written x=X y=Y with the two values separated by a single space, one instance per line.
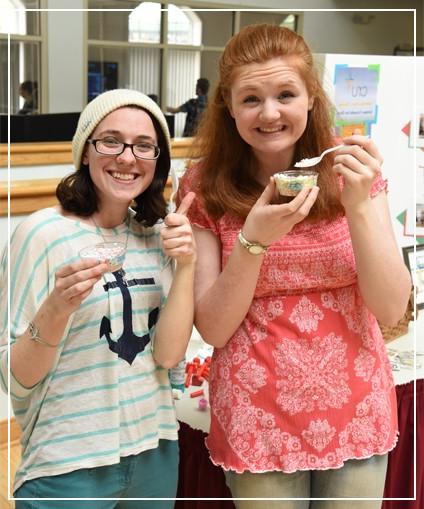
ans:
x=400 y=472
x=198 y=476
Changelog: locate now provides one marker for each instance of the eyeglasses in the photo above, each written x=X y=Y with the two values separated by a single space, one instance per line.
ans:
x=113 y=147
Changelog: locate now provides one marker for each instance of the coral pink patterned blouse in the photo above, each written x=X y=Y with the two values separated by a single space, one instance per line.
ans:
x=305 y=382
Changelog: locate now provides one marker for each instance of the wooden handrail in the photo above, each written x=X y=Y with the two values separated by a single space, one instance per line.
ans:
x=27 y=196
x=24 y=188
x=60 y=152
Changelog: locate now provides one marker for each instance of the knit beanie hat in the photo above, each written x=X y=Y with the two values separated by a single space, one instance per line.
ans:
x=104 y=104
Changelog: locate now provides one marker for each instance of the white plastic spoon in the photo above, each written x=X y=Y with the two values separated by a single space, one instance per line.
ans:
x=312 y=161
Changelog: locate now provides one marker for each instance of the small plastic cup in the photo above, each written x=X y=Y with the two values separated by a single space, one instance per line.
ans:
x=291 y=182
x=112 y=252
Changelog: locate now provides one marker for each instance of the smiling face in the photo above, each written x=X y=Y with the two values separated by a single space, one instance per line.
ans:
x=118 y=179
x=269 y=103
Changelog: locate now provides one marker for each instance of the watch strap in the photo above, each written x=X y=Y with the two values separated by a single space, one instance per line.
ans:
x=254 y=248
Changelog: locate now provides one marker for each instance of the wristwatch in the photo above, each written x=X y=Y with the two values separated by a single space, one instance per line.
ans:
x=254 y=248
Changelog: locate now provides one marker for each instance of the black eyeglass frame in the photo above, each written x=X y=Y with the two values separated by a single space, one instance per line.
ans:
x=124 y=146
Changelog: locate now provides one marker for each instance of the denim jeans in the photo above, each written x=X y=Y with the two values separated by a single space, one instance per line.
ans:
x=356 y=479
x=151 y=474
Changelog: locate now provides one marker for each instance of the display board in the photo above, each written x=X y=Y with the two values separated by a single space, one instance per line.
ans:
x=377 y=93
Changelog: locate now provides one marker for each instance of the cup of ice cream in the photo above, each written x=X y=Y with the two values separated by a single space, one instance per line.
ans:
x=291 y=182
x=111 y=252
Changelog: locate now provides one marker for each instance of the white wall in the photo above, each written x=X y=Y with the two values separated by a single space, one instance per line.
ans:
x=335 y=31
x=66 y=57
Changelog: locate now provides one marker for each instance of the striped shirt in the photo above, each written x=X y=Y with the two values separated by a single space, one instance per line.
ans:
x=93 y=406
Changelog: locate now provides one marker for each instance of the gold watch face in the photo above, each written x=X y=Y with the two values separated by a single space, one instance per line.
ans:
x=256 y=249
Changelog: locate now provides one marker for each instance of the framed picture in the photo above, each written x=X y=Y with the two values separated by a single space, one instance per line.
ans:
x=416 y=133
x=416 y=268
x=420 y=215
x=407 y=50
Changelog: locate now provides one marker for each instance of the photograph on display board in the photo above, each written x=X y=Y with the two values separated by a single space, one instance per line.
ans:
x=416 y=133
x=419 y=223
x=414 y=260
x=419 y=276
x=420 y=215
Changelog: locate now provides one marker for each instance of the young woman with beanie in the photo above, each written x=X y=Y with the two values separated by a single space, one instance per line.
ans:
x=92 y=339
x=302 y=398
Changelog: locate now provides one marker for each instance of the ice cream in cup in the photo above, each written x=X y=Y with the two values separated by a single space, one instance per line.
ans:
x=111 y=252
x=291 y=182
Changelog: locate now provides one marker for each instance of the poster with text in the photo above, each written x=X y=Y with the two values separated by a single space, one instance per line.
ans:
x=356 y=96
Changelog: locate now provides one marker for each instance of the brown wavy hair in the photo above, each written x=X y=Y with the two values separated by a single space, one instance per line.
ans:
x=227 y=169
x=76 y=192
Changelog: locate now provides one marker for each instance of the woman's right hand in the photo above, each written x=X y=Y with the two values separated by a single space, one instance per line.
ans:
x=73 y=283
x=266 y=222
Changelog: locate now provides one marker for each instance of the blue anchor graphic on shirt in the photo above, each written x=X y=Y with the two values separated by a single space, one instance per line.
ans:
x=128 y=345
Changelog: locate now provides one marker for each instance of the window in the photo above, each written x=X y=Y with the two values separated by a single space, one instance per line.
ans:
x=25 y=56
x=157 y=47
x=289 y=21
x=149 y=52
x=277 y=18
x=184 y=26
x=16 y=20
x=144 y=23
x=161 y=48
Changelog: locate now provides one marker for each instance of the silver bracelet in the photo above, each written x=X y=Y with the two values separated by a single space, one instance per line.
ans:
x=35 y=336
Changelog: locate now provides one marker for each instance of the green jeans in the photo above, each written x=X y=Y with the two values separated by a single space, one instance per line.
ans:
x=151 y=474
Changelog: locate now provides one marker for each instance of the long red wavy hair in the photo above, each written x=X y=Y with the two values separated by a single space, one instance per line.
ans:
x=227 y=167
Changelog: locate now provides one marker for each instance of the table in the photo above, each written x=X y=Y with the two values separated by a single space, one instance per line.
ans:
x=412 y=341
x=187 y=408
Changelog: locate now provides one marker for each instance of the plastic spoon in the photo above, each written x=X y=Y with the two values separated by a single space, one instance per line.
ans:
x=312 y=161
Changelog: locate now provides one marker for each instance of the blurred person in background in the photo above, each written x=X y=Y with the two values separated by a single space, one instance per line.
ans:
x=193 y=107
x=28 y=90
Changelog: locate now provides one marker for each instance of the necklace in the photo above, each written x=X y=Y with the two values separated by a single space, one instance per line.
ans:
x=116 y=254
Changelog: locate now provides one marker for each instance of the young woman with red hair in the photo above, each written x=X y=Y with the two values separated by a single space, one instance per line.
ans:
x=302 y=396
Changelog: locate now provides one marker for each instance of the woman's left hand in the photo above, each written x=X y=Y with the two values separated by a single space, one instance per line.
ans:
x=177 y=235
x=359 y=162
